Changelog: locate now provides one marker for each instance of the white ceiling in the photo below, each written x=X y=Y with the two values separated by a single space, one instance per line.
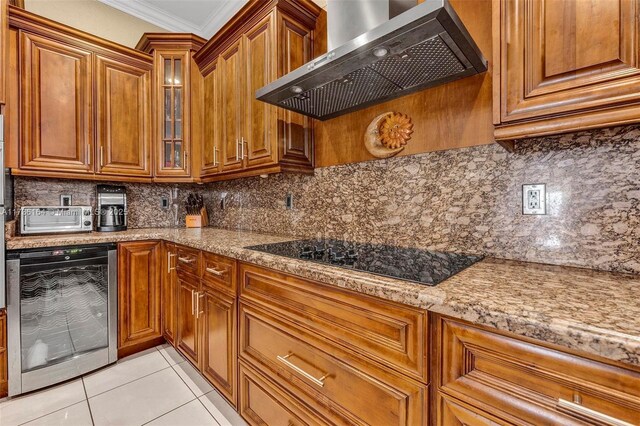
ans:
x=201 y=17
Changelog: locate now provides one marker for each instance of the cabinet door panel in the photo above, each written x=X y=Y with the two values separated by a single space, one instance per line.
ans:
x=260 y=118
x=219 y=360
x=123 y=118
x=187 y=332
x=296 y=130
x=169 y=292
x=56 y=106
x=213 y=124
x=138 y=293
x=231 y=106
x=564 y=56
x=173 y=100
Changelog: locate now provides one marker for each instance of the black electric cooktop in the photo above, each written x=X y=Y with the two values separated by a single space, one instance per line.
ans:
x=421 y=266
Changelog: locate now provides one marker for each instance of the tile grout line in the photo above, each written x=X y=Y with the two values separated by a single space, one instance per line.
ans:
x=124 y=384
x=54 y=411
x=207 y=410
x=87 y=401
x=172 y=410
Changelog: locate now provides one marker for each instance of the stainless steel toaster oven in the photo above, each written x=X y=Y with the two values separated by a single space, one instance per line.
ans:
x=55 y=219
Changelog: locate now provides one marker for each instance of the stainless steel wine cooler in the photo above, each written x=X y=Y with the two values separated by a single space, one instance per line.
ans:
x=61 y=313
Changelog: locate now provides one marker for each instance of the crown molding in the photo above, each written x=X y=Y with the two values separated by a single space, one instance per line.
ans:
x=152 y=14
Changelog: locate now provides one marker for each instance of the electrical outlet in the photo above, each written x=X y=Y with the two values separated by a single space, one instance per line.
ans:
x=534 y=199
x=164 y=202
x=288 y=202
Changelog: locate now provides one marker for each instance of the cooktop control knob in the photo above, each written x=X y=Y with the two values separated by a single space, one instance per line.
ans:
x=87 y=223
x=87 y=213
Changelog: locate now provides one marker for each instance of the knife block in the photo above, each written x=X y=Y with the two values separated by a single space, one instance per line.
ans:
x=197 y=220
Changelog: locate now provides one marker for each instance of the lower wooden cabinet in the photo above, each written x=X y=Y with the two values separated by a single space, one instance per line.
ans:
x=139 y=324
x=187 y=338
x=219 y=340
x=262 y=402
x=484 y=377
x=3 y=354
x=169 y=291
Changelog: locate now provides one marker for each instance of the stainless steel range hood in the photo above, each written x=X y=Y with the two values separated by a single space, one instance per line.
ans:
x=424 y=46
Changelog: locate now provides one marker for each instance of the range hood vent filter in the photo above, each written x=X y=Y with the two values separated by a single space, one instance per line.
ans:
x=425 y=46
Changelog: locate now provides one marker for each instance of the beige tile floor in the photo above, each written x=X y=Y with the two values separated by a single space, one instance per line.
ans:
x=154 y=387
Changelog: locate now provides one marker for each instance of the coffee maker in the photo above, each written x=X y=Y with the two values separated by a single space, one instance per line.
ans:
x=112 y=208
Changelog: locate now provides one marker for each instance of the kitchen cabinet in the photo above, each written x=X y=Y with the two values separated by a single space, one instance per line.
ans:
x=4 y=378
x=57 y=119
x=219 y=340
x=259 y=45
x=169 y=292
x=178 y=101
x=485 y=377
x=331 y=351
x=123 y=108
x=211 y=147
x=564 y=65
x=187 y=336
x=84 y=104
x=139 y=291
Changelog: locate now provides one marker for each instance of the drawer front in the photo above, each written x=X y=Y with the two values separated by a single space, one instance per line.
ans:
x=188 y=260
x=263 y=403
x=338 y=385
x=219 y=272
x=510 y=377
x=389 y=333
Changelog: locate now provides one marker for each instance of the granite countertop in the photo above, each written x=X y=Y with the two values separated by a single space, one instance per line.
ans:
x=581 y=309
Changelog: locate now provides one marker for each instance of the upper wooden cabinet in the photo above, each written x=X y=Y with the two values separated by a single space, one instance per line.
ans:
x=123 y=108
x=264 y=41
x=564 y=65
x=57 y=126
x=178 y=102
x=84 y=103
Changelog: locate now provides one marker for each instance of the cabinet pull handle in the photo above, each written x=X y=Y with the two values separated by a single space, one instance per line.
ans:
x=198 y=297
x=215 y=271
x=88 y=154
x=184 y=160
x=193 y=302
x=242 y=142
x=238 y=150
x=169 y=256
x=215 y=156
x=101 y=157
x=582 y=411
x=186 y=260
x=285 y=361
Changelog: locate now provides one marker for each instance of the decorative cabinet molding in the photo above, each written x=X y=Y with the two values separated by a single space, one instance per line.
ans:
x=564 y=65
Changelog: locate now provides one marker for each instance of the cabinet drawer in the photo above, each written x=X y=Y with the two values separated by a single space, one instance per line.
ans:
x=219 y=272
x=188 y=260
x=390 y=333
x=340 y=386
x=263 y=403
x=511 y=378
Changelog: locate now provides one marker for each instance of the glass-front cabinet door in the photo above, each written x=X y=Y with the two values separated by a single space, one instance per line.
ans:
x=173 y=159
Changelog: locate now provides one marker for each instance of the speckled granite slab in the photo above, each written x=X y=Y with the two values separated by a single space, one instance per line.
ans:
x=596 y=312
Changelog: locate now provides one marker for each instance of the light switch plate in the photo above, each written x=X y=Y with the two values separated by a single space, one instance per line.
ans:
x=534 y=199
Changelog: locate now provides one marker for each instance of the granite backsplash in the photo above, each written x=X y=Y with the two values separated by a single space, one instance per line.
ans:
x=465 y=200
